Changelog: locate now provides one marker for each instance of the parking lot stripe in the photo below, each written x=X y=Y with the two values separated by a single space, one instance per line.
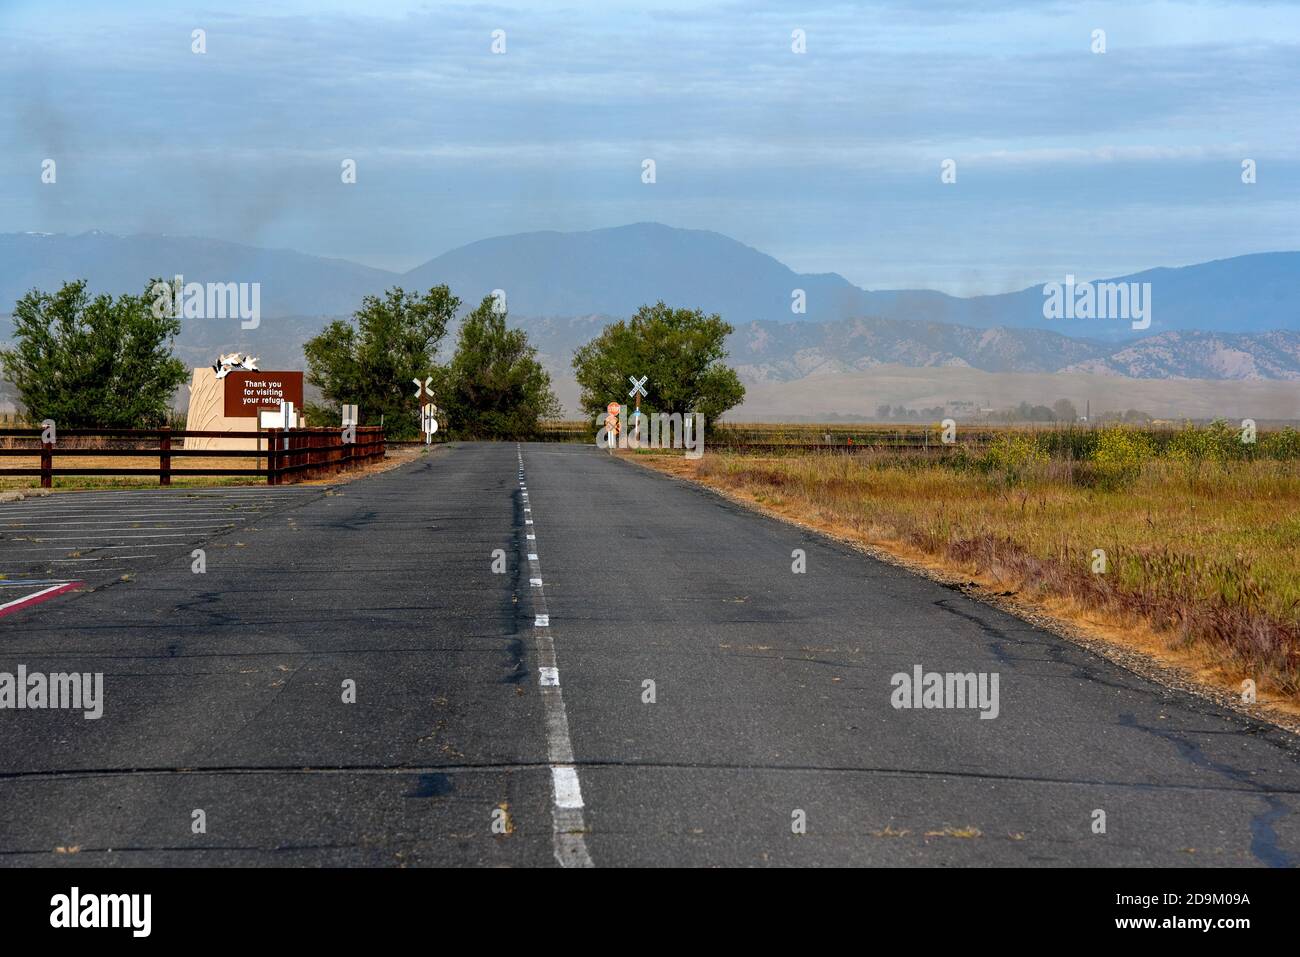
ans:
x=45 y=594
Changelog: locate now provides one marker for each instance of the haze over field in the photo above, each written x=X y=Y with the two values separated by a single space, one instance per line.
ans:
x=803 y=151
x=563 y=287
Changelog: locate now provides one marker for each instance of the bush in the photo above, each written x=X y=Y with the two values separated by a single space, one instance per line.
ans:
x=680 y=350
x=494 y=387
x=1119 y=455
x=1071 y=443
x=1013 y=456
x=1216 y=443
x=1281 y=445
x=371 y=360
x=89 y=362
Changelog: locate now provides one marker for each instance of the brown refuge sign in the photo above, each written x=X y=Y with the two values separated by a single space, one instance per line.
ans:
x=246 y=392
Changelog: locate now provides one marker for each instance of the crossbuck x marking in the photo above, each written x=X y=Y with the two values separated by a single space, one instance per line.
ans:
x=637 y=385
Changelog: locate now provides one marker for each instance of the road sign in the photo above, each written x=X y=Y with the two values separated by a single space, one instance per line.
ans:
x=638 y=390
x=244 y=393
x=611 y=425
x=429 y=421
x=422 y=389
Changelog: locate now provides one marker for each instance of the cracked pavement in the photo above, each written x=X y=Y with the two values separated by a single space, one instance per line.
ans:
x=772 y=695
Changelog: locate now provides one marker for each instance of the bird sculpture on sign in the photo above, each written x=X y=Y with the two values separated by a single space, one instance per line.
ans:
x=234 y=362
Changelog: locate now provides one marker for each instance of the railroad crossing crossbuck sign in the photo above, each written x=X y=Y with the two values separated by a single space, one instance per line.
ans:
x=638 y=390
x=428 y=411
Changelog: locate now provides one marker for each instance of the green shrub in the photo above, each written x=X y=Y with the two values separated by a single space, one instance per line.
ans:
x=1119 y=455
x=1013 y=457
x=1280 y=445
x=1217 y=443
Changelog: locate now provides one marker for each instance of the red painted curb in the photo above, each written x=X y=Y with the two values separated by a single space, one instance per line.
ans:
x=21 y=603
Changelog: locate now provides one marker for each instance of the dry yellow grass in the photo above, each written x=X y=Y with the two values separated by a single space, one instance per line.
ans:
x=1203 y=569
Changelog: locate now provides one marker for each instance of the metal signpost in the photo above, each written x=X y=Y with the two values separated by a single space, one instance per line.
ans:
x=428 y=411
x=638 y=390
x=611 y=425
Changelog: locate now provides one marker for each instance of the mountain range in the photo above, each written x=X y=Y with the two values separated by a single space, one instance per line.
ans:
x=1228 y=319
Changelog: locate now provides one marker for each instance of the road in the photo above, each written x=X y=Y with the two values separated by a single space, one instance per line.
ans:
x=505 y=717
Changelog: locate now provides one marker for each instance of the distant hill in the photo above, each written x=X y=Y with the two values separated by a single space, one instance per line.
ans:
x=292 y=283
x=1254 y=293
x=613 y=271
x=786 y=352
x=1228 y=319
x=1202 y=355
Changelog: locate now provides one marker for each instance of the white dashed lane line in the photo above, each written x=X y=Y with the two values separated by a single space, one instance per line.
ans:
x=568 y=826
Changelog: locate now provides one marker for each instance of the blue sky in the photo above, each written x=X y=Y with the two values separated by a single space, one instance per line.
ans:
x=1067 y=161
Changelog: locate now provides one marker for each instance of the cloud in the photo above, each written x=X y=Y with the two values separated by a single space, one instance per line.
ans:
x=587 y=90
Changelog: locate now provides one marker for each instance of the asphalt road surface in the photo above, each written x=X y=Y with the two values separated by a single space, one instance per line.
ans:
x=644 y=680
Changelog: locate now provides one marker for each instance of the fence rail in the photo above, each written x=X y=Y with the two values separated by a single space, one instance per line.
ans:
x=285 y=452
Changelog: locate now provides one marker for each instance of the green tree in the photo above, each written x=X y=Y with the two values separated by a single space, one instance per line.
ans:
x=494 y=387
x=1063 y=410
x=93 y=362
x=371 y=360
x=681 y=350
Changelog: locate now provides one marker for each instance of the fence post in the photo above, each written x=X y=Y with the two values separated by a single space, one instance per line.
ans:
x=164 y=459
x=47 y=463
x=272 y=443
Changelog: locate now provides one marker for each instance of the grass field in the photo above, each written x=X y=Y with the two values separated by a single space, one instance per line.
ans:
x=1200 y=531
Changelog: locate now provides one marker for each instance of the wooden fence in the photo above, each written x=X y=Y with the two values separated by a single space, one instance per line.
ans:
x=277 y=452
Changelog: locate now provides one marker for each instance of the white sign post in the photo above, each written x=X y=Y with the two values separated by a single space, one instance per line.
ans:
x=349 y=436
x=638 y=390
x=428 y=411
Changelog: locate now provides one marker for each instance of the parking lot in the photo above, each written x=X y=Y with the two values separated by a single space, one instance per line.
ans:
x=51 y=544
